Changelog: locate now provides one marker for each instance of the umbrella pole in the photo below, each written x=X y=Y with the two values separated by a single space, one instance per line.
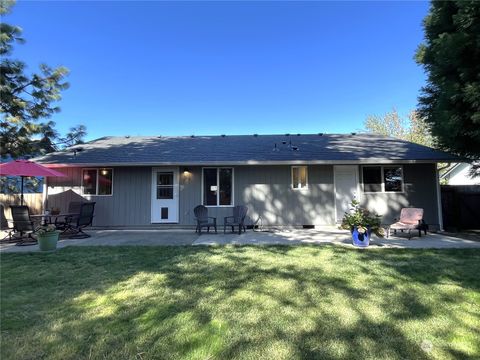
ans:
x=21 y=195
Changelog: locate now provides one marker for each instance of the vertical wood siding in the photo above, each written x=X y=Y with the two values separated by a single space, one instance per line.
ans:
x=420 y=191
x=266 y=190
x=33 y=201
x=129 y=205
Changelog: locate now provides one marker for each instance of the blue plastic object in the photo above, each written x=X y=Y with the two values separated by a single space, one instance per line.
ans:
x=361 y=240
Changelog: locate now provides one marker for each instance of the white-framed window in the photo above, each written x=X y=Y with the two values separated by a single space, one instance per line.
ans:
x=299 y=177
x=217 y=186
x=382 y=178
x=98 y=182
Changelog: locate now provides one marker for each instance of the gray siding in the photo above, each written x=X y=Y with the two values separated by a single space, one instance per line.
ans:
x=266 y=190
x=420 y=191
x=128 y=206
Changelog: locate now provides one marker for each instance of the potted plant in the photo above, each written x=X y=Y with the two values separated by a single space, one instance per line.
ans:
x=361 y=223
x=47 y=236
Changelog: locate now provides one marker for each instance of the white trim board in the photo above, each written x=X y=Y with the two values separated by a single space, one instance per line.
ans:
x=218 y=185
x=176 y=195
x=306 y=178
x=382 y=175
x=439 y=199
x=98 y=168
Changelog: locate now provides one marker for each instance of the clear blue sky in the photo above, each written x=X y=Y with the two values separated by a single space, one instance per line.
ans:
x=151 y=68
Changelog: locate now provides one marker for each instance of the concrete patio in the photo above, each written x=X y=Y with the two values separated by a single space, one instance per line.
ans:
x=326 y=235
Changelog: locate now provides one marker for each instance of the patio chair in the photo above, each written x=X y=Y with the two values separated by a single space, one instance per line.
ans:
x=410 y=219
x=81 y=221
x=64 y=222
x=203 y=220
x=238 y=219
x=4 y=225
x=22 y=224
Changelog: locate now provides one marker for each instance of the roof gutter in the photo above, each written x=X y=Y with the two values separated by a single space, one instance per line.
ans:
x=248 y=162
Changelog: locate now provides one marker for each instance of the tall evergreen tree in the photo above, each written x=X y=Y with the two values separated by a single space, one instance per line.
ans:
x=450 y=102
x=26 y=99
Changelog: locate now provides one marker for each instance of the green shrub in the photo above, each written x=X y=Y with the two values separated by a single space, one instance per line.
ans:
x=362 y=219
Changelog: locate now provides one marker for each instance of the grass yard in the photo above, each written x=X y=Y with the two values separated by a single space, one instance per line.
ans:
x=282 y=302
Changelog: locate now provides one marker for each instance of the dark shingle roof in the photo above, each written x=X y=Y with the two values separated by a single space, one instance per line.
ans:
x=244 y=149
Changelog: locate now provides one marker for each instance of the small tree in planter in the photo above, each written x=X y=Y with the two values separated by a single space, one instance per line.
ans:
x=362 y=223
x=47 y=236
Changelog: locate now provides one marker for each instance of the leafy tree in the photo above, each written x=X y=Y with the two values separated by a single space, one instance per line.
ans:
x=12 y=185
x=28 y=98
x=412 y=128
x=450 y=55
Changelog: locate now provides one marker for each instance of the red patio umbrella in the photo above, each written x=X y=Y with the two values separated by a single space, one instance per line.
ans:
x=25 y=168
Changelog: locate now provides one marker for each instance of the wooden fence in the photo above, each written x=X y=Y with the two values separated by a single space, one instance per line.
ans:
x=33 y=201
x=461 y=207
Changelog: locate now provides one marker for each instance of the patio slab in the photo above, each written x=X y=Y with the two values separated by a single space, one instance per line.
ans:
x=331 y=235
x=118 y=238
x=325 y=235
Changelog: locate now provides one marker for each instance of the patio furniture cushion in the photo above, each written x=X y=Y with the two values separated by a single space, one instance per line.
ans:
x=401 y=226
x=411 y=215
x=410 y=219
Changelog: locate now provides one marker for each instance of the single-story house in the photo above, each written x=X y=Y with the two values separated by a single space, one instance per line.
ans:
x=286 y=180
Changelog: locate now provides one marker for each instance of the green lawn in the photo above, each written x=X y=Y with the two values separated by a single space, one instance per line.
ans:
x=282 y=302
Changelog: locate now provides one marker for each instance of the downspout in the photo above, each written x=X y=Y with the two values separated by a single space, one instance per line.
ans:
x=439 y=195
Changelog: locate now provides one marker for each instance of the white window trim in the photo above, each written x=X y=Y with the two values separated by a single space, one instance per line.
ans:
x=306 y=180
x=165 y=186
x=96 y=185
x=382 y=172
x=218 y=185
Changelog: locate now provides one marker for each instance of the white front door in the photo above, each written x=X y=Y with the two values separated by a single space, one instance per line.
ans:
x=346 y=188
x=165 y=195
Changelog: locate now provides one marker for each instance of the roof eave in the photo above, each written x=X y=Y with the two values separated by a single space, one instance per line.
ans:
x=249 y=162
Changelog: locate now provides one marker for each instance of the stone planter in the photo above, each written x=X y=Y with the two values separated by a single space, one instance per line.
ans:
x=48 y=241
x=361 y=240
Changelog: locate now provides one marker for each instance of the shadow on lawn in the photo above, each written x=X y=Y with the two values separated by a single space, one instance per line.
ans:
x=232 y=302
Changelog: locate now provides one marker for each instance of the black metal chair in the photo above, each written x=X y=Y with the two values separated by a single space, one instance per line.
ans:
x=238 y=219
x=84 y=219
x=4 y=225
x=22 y=224
x=64 y=222
x=203 y=220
